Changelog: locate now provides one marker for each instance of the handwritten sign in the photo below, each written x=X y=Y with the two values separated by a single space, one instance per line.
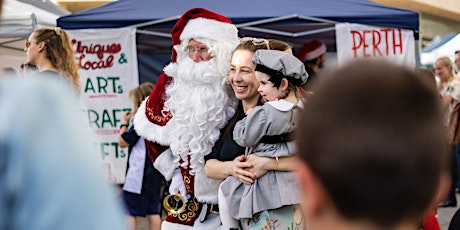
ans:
x=361 y=41
x=108 y=71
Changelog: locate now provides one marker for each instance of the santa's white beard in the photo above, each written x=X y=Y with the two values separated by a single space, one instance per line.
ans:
x=200 y=104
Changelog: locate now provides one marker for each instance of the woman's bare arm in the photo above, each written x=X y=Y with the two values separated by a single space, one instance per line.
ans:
x=121 y=142
x=260 y=165
x=446 y=100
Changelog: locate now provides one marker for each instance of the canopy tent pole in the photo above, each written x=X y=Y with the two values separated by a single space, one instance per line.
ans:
x=155 y=22
x=276 y=19
x=249 y=25
x=288 y=34
x=417 y=48
x=246 y=26
x=34 y=22
x=4 y=44
x=153 y=33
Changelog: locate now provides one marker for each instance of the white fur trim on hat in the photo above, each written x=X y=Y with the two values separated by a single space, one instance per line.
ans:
x=149 y=130
x=210 y=29
x=316 y=52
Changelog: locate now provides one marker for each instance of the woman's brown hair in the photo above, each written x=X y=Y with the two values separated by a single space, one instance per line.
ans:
x=60 y=52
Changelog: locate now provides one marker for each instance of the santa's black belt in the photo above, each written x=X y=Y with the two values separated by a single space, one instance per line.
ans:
x=274 y=139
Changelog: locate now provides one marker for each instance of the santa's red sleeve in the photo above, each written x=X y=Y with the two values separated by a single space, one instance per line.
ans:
x=150 y=121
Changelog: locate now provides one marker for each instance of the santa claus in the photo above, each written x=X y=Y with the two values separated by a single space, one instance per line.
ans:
x=182 y=117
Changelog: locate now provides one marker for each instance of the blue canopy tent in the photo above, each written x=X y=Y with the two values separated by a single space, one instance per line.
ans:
x=294 y=21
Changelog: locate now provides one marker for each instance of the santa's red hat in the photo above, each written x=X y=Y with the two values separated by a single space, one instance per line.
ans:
x=202 y=23
x=311 y=50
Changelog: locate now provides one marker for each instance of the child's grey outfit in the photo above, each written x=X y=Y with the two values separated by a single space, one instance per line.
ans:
x=276 y=188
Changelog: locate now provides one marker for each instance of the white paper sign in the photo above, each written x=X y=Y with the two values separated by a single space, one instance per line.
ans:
x=356 y=41
x=108 y=71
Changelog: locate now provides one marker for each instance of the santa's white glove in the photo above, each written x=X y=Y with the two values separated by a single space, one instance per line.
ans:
x=177 y=185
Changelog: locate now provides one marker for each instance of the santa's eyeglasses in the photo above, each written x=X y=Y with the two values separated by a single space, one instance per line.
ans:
x=190 y=50
x=256 y=41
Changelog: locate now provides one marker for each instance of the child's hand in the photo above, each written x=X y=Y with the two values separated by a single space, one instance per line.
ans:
x=126 y=117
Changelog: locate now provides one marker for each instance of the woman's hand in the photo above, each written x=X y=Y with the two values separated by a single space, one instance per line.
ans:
x=260 y=165
x=240 y=172
x=220 y=170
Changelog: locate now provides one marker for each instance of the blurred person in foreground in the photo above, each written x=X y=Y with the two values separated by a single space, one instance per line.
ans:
x=373 y=151
x=49 y=178
x=49 y=175
x=9 y=72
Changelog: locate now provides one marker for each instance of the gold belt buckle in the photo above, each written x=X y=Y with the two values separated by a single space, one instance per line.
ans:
x=174 y=204
x=211 y=210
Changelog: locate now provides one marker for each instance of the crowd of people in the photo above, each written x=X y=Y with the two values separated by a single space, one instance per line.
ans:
x=241 y=132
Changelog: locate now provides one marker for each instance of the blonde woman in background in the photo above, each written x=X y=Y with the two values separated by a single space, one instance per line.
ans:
x=450 y=94
x=50 y=49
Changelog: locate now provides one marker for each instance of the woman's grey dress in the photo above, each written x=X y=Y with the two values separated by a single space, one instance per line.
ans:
x=276 y=188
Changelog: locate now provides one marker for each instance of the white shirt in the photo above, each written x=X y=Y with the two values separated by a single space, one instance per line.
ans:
x=135 y=174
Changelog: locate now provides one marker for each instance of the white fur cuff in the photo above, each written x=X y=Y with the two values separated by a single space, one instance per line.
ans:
x=206 y=188
x=165 y=164
x=149 y=130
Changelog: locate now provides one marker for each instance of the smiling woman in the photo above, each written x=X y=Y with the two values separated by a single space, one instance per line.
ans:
x=265 y=132
x=242 y=70
x=227 y=157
